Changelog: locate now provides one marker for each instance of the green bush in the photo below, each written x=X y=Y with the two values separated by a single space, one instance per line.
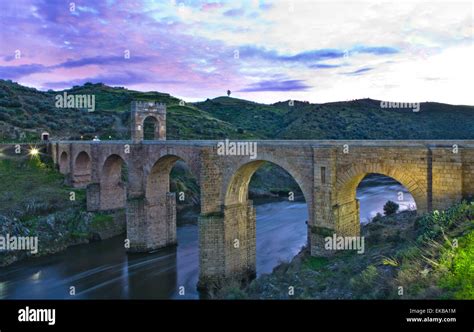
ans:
x=432 y=225
x=364 y=284
x=460 y=264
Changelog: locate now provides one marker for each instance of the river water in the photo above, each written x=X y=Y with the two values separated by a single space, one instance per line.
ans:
x=103 y=270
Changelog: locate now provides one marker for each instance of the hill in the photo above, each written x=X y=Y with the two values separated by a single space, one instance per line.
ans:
x=25 y=112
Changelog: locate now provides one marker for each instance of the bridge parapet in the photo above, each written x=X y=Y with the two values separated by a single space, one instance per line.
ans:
x=148 y=106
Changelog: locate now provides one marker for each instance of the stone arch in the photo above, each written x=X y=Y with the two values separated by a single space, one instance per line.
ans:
x=236 y=188
x=157 y=174
x=113 y=182
x=161 y=203
x=348 y=182
x=238 y=222
x=64 y=163
x=158 y=180
x=346 y=208
x=82 y=170
x=151 y=128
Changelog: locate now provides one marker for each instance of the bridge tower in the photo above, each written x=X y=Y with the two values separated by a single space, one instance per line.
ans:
x=141 y=111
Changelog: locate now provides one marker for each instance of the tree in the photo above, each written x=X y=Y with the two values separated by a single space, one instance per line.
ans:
x=228 y=93
x=390 y=208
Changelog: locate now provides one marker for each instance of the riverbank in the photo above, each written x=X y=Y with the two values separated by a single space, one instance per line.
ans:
x=406 y=257
x=36 y=203
x=60 y=230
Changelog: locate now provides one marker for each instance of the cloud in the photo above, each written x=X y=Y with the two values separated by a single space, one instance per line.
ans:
x=101 y=60
x=358 y=71
x=324 y=66
x=287 y=85
x=272 y=55
x=15 y=72
x=377 y=50
x=118 y=79
x=313 y=55
x=234 y=12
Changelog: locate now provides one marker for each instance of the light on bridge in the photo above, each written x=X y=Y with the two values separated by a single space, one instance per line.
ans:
x=34 y=152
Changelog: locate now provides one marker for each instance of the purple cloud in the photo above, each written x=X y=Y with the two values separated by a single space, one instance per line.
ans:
x=101 y=60
x=234 y=12
x=313 y=55
x=172 y=50
x=15 y=72
x=115 y=79
x=287 y=85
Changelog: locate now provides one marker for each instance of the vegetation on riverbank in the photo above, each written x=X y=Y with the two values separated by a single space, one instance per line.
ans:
x=406 y=257
x=34 y=201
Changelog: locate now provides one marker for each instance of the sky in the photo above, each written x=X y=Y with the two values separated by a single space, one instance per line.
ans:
x=265 y=51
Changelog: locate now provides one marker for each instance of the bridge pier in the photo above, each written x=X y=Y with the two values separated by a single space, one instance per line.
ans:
x=93 y=197
x=227 y=244
x=151 y=226
x=105 y=197
x=342 y=221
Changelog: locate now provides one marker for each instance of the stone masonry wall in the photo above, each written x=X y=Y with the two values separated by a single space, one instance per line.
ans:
x=328 y=177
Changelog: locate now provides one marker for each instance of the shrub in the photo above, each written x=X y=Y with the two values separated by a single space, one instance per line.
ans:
x=460 y=277
x=390 y=208
x=377 y=218
x=364 y=284
x=432 y=225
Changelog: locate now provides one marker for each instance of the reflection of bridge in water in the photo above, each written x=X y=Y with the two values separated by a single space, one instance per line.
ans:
x=436 y=173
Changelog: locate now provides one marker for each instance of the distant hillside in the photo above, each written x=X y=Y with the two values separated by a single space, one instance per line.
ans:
x=265 y=121
x=365 y=119
x=25 y=112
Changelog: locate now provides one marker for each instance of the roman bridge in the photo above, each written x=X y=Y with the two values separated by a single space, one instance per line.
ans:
x=437 y=174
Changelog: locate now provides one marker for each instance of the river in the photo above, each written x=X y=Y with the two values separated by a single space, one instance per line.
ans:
x=103 y=270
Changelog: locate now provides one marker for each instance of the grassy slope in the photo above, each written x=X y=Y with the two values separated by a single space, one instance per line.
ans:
x=34 y=201
x=264 y=121
x=189 y=122
x=32 y=187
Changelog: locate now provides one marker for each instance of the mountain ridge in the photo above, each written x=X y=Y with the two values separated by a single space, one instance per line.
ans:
x=26 y=111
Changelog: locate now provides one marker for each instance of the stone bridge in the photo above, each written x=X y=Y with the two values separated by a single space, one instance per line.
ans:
x=135 y=175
